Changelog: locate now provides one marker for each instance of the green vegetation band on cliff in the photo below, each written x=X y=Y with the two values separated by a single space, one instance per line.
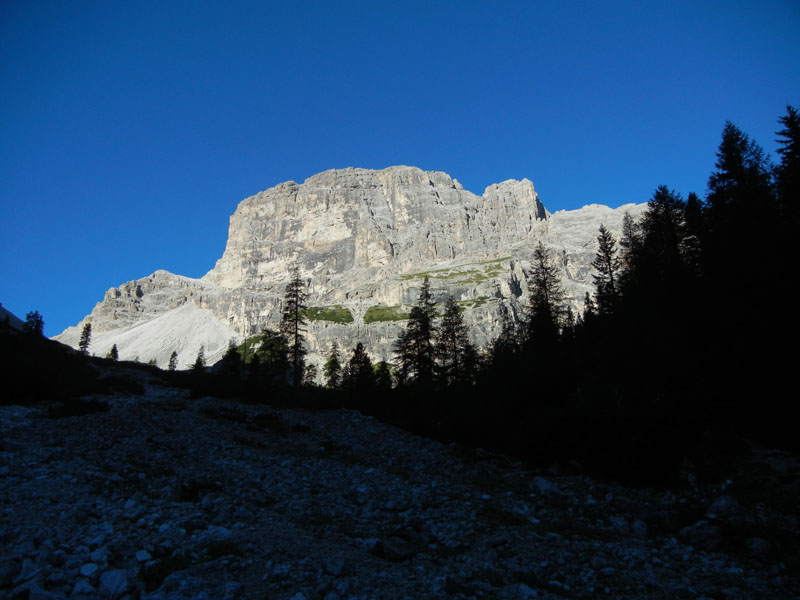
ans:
x=385 y=313
x=334 y=314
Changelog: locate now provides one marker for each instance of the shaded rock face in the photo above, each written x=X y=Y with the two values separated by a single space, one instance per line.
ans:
x=364 y=241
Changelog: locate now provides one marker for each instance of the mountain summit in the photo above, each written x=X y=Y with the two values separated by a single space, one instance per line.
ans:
x=363 y=240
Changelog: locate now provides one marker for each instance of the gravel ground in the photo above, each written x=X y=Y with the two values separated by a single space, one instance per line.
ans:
x=166 y=497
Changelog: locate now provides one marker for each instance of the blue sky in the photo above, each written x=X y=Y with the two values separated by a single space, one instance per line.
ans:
x=131 y=130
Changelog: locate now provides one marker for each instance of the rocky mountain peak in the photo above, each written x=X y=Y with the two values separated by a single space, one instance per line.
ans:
x=364 y=240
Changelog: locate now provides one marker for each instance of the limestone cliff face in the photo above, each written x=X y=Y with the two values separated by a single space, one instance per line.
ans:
x=359 y=220
x=364 y=240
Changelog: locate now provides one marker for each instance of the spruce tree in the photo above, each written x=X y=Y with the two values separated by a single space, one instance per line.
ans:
x=200 y=361
x=173 y=361
x=293 y=324
x=310 y=376
x=453 y=349
x=113 y=354
x=694 y=234
x=333 y=368
x=231 y=363
x=589 y=309
x=787 y=173
x=741 y=182
x=358 y=375
x=630 y=243
x=34 y=324
x=547 y=304
x=414 y=348
x=86 y=338
x=608 y=266
x=383 y=376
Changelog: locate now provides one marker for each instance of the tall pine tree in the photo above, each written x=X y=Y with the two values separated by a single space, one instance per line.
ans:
x=414 y=347
x=293 y=325
x=547 y=304
x=455 y=355
x=358 y=377
x=333 y=368
x=787 y=173
x=607 y=265
x=86 y=339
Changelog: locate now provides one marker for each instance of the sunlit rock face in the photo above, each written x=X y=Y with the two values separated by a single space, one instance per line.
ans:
x=363 y=241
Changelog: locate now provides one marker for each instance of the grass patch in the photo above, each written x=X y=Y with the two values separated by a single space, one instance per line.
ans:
x=334 y=314
x=473 y=302
x=385 y=313
x=474 y=272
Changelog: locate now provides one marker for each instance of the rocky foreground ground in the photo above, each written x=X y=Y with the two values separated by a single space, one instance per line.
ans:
x=166 y=497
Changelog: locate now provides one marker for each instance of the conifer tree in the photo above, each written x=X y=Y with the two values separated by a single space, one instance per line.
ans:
x=453 y=349
x=414 y=348
x=310 y=376
x=607 y=265
x=113 y=354
x=86 y=338
x=589 y=309
x=547 y=305
x=694 y=234
x=200 y=361
x=630 y=243
x=231 y=363
x=358 y=375
x=383 y=376
x=333 y=368
x=741 y=182
x=663 y=233
x=173 y=361
x=787 y=173
x=34 y=324
x=293 y=324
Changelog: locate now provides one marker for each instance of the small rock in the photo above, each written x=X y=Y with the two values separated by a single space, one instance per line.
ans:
x=142 y=556
x=758 y=546
x=214 y=535
x=702 y=534
x=620 y=524
x=727 y=510
x=83 y=588
x=498 y=539
x=233 y=590
x=25 y=549
x=395 y=549
x=545 y=487
x=113 y=584
x=639 y=529
x=99 y=556
x=334 y=565
x=88 y=570
x=194 y=523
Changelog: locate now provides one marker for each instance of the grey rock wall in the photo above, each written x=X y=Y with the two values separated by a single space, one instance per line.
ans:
x=364 y=240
